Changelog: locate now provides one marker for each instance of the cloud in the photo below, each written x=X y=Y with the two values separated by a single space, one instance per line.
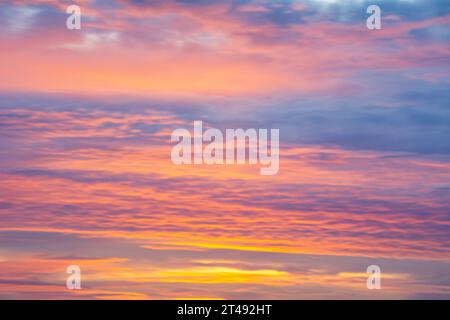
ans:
x=85 y=124
x=150 y=273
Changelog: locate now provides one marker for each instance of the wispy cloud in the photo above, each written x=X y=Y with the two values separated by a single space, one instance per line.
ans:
x=86 y=177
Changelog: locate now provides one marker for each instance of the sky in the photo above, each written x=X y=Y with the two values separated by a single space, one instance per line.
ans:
x=86 y=118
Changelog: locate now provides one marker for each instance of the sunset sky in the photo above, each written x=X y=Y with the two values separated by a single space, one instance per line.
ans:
x=86 y=177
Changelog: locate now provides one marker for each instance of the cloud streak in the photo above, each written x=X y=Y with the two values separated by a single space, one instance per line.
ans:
x=86 y=177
